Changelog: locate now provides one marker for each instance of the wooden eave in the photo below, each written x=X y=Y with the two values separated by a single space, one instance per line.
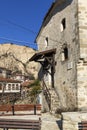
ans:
x=43 y=54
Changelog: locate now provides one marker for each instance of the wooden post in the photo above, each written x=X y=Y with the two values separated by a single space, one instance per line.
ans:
x=34 y=109
x=53 y=70
x=13 y=110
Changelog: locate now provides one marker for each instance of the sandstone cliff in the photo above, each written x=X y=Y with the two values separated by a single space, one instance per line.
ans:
x=16 y=58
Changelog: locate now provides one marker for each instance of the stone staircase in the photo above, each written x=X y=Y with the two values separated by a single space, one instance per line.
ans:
x=51 y=98
x=54 y=100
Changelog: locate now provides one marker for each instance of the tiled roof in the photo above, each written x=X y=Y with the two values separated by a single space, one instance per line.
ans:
x=9 y=80
x=26 y=83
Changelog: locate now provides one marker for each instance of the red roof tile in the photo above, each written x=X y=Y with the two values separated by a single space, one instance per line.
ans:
x=9 y=80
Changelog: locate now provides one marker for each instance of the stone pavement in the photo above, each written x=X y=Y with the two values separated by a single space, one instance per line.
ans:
x=50 y=122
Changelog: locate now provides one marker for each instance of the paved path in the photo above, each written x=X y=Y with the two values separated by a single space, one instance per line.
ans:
x=49 y=122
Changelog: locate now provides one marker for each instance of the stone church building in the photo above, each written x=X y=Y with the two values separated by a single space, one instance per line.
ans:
x=62 y=54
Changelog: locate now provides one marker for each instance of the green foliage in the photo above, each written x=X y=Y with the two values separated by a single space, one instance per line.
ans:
x=35 y=83
x=36 y=89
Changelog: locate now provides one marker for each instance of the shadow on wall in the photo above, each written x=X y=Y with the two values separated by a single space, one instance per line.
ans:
x=55 y=9
x=40 y=74
x=59 y=123
x=83 y=108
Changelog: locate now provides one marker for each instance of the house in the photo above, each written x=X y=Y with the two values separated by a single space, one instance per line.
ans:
x=62 y=45
x=13 y=84
x=9 y=85
x=26 y=88
x=5 y=73
x=20 y=77
x=10 y=90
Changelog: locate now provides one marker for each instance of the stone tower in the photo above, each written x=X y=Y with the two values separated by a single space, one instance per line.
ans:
x=82 y=64
x=64 y=28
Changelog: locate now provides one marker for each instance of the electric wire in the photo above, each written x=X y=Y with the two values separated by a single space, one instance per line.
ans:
x=27 y=29
x=4 y=38
x=27 y=44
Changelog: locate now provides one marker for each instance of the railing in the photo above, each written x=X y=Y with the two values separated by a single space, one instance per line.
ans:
x=33 y=109
x=47 y=94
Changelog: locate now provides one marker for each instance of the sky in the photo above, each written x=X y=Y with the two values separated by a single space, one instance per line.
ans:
x=20 y=20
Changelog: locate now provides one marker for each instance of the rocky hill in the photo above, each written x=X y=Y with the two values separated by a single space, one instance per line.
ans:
x=16 y=58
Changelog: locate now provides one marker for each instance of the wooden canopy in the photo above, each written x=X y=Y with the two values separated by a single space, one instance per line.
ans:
x=47 y=60
x=42 y=55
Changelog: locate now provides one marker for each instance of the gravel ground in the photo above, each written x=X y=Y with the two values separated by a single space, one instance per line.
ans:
x=50 y=122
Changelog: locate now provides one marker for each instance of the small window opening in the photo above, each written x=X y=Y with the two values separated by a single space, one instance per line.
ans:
x=63 y=24
x=46 y=42
x=65 y=54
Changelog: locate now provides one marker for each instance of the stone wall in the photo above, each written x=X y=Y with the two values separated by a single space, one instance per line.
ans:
x=82 y=85
x=82 y=64
x=71 y=119
x=65 y=72
x=9 y=98
x=71 y=74
x=82 y=18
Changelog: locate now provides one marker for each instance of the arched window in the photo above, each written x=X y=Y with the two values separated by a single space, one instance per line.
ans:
x=13 y=86
x=9 y=86
x=63 y=24
x=46 y=41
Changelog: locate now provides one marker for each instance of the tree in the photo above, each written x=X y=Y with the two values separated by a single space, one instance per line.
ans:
x=36 y=89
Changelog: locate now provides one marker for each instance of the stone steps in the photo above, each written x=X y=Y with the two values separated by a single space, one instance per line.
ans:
x=51 y=98
x=54 y=100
